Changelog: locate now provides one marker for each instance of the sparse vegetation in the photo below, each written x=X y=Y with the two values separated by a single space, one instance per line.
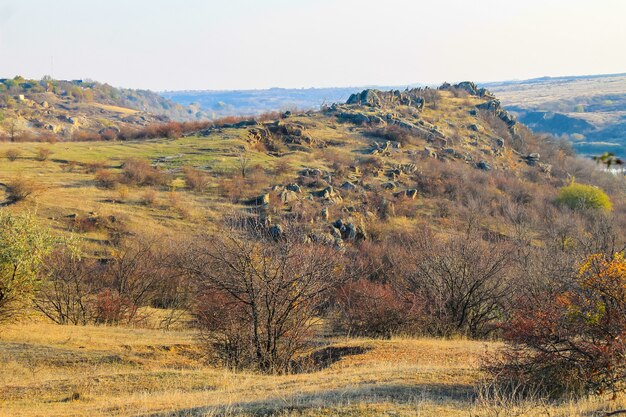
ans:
x=12 y=154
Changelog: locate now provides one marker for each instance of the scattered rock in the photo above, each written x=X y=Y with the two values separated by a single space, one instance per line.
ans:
x=262 y=200
x=532 y=159
x=348 y=186
x=288 y=196
x=429 y=153
x=356 y=118
x=483 y=165
x=276 y=231
x=412 y=193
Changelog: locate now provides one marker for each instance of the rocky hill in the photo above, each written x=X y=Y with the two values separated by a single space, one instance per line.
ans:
x=50 y=109
x=378 y=163
x=587 y=110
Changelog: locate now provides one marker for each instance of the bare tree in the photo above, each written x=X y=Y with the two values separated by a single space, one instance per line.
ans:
x=259 y=298
x=243 y=163
x=462 y=283
x=134 y=276
x=70 y=285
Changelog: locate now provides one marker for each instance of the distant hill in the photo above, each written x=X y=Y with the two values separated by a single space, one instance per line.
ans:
x=588 y=110
x=31 y=109
x=252 y=102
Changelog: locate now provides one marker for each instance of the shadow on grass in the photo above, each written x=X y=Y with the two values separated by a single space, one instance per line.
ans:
x=370 y=393
x=325 y=357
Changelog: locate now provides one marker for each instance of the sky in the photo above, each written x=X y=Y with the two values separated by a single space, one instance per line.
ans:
x=248 y=44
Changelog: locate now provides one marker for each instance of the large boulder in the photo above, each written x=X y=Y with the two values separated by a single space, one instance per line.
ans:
x=483 y=165
x=356 y=118
x=262 y=200
x=365 y=98
x=348 y=186
x=288 y=196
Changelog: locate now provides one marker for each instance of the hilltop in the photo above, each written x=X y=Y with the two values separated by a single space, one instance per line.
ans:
x=50 y=110
x=586 y=110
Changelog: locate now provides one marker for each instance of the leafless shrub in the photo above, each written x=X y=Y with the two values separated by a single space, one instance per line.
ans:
x=461 y=284
x=106 y=179
x=366 y=308
x=20 y=188
x=258 y=299
x=196 y=179
x=43 y=154
x=140 y=172
x=12 y=154
x=68 y=292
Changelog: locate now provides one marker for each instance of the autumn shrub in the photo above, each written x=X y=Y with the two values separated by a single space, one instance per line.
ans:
x=148 y=198
x=572 y=341
x=12 y=154
x=462 y=284
x=282 y=167
x=106 y=179
x=20 y=188
x=581 y=196
x=111 y=307
x=258 y=296
x=140 y=172
x=94 y=166
x=43 y=154
x=69 y=288
x=370 y=309
x=196 y=179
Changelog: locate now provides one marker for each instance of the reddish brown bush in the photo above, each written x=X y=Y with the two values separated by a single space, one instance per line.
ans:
x=106 y=179
x=571 y=341
x=262 y=296
x=113 y=308
x=196 y=179
x=139 y=172
x=366 y=308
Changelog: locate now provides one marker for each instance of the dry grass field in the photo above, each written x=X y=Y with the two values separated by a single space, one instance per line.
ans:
x=51 y=370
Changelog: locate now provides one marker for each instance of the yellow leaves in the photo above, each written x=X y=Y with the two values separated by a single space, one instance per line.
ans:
x=598 y=270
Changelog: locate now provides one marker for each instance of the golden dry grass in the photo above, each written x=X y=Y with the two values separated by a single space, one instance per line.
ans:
x=51 y=370
x=115 y=109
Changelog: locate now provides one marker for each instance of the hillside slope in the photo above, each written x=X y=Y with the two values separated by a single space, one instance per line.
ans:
x=383 y=160
x=50 y=109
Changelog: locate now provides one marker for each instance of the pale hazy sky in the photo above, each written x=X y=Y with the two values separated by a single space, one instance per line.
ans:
x=236 y=44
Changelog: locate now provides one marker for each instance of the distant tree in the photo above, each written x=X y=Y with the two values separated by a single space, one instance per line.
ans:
x=608 y=159
x=243 y=163
x=13 y=129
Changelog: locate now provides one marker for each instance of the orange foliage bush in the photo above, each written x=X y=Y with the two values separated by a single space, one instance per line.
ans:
x=573 y=342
